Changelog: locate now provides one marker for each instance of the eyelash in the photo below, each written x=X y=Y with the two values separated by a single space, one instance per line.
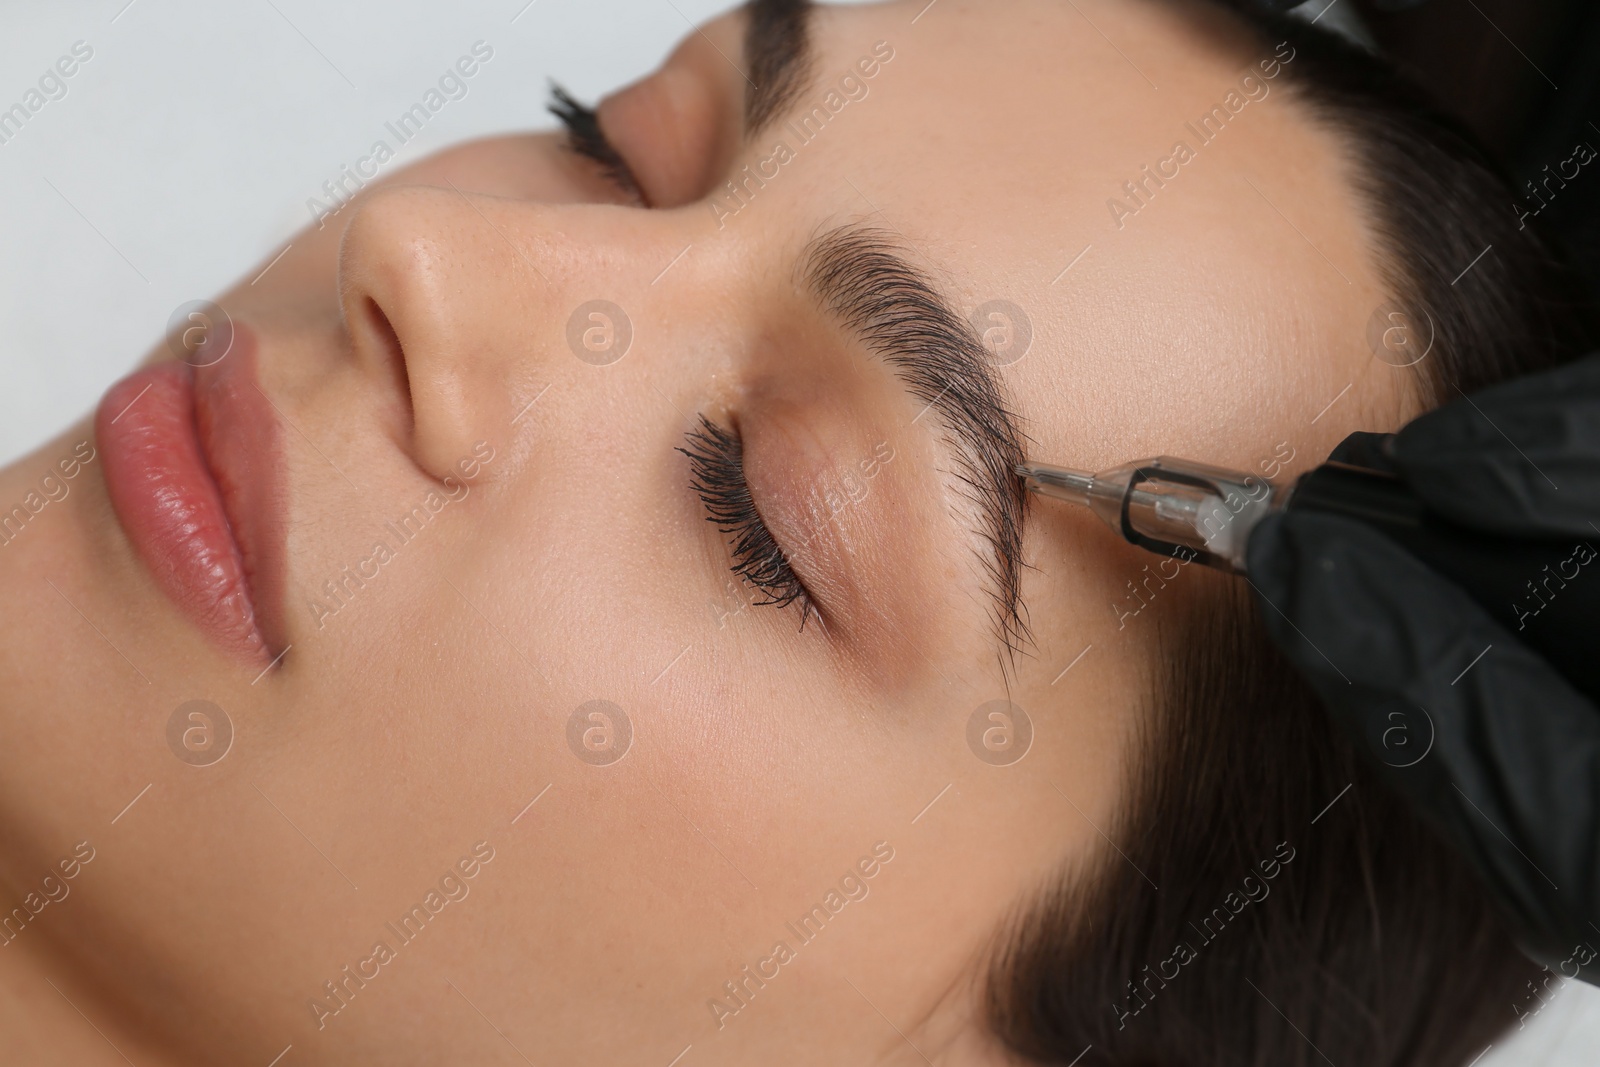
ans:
x=587 y=139
x=716 y=462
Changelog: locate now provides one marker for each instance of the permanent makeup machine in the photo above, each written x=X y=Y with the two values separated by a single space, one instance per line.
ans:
x=1204 y=514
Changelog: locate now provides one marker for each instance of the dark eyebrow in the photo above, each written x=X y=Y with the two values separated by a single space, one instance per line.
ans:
x=777 y=48
x=859 y=277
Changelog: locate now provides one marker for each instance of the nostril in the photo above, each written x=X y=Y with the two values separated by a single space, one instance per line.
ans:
x=390 y=357
x=430 y=345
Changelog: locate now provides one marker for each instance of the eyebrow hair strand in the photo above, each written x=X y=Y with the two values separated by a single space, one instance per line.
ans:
x=858 y=275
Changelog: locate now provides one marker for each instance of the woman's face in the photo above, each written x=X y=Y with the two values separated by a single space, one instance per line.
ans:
x=447 y=438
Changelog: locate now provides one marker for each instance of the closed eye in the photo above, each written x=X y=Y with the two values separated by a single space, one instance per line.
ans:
x=716 y=460
x=587 y=139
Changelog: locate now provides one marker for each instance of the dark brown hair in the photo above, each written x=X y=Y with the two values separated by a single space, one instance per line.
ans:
x=1304 y=915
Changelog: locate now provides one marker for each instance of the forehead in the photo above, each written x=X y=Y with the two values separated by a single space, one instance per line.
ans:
x=1124 y=182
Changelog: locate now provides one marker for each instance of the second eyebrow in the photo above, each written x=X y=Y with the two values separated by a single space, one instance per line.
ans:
x=777 y=48
x=859 y=277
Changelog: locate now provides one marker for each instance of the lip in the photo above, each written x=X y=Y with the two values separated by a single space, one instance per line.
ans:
x=194 y=471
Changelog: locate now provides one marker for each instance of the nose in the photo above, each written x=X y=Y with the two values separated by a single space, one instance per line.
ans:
x=469 y=307
x=416 y=319
x=436 y=290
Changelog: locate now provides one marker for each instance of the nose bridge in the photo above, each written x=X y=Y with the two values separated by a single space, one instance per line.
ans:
x=477 y=303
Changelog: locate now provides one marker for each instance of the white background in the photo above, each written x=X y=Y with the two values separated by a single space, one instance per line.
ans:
x=183 y=154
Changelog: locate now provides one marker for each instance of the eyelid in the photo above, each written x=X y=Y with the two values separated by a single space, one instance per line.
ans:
x=797 y=454
x=716 y=462
x=678 y=130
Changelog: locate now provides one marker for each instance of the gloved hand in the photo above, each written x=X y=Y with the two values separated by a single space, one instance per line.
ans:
x=1491 y=743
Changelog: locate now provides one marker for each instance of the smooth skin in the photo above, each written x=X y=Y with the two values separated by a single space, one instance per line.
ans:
x=422 y=717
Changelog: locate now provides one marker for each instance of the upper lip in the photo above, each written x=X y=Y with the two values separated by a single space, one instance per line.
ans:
x=239 y=437
x=194 y=473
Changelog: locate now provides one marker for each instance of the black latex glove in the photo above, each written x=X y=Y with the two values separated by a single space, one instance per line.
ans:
x=1496 y=748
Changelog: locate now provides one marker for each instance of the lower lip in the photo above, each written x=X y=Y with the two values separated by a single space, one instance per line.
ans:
x=190 y=463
